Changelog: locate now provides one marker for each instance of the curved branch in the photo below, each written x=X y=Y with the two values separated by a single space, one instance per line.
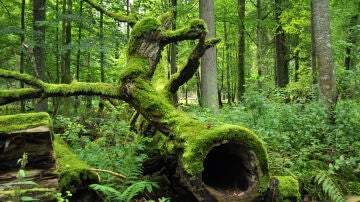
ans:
x=192 y=64
x=116 y=16
x=26 y=78
x=196 y=29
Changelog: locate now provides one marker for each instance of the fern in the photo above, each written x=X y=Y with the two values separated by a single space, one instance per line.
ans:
x=329 y=186
x=128 y=194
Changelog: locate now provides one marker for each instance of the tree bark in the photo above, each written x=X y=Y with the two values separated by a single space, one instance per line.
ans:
x=352 y=37
x=39 y=13
x=324 y=51
x=259 y=35
x=208 y=82
x=22 y=53
x=281 y=62
x=241 y=50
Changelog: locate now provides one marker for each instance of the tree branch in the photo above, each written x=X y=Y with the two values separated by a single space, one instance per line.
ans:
x=196 y=29
x=116 y=16
x=192 y=64
x=44 y=90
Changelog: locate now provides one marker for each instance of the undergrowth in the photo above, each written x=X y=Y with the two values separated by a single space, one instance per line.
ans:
x=122 y=151
x=302 y=141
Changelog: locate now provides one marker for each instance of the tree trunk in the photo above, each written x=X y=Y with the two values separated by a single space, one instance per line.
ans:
x=313 y=49
x=241 y=50
x=39 y=13
x=228 y=91
x=259 y=34
x=208 y=84
x=102 y=57
x=22 y=53
x=78 y=56
x=324 y=51
x=281 y=62
x=352 y=37
x=66 y=57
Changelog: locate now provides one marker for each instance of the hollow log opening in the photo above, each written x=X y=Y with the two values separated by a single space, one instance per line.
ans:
x=230 y=168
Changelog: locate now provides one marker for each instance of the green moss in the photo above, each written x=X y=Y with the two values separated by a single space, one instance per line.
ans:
x=46 y=194
x=72 y=171
x=17 y=122
x=288 y=189
x=93 y=88
x=24 y=77
x=136 y=67
x=197 y=146
x=142 y=28
x=16 y=93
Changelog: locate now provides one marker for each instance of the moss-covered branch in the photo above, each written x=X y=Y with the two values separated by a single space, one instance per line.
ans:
x=116 y=16
x=44 y=90
x=26 y=78
x=192 y=64
x=194 y=30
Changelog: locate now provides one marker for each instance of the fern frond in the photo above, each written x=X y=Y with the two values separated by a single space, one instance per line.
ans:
x=137 y=188
x=106 y=190
x=329 y=186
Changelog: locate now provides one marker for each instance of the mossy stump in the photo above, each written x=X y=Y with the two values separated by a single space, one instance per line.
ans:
x=53 y=169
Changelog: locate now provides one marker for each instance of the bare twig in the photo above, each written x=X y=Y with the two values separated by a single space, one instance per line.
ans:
x=109 y=172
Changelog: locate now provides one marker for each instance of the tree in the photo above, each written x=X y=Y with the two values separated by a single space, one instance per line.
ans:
x=281 y=58
x=352 y=37
x=66 y=46
x=241 y=50
x=196 y=156
x=208 y=84
x=324 y=52
x=39 y=13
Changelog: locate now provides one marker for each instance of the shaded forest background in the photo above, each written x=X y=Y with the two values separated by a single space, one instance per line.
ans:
x=267 y=80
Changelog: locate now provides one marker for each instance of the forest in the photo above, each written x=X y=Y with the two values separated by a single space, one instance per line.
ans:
x=180 y=100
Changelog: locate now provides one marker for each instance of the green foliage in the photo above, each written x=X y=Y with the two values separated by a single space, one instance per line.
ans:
x=129 y=193
x=329 y=186
x=121 y=150
x=301 y=140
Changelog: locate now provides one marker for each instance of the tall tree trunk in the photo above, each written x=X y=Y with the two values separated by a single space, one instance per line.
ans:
x=281 y=63
x=313 y=49
x=208 y=84
x=22 y=53
x=324 y=51
x=66 y=57
x=227 y=63
x=297 y=65
x=241 y=50
x=102 y=57
x=39 y=13
x=78 y=56
x=352 y=36
x=259 y=32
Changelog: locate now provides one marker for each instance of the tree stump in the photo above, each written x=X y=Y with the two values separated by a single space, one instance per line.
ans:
x=53 y=169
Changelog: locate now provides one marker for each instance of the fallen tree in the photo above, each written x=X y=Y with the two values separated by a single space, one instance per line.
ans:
x=214 y=163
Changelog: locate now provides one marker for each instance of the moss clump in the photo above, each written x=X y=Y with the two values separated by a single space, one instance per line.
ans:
x=43 y=194
x=288 y=189
x=72 y=171
x=10 y=123
x=198 y=145
x=91 y=88
x=141 y=29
